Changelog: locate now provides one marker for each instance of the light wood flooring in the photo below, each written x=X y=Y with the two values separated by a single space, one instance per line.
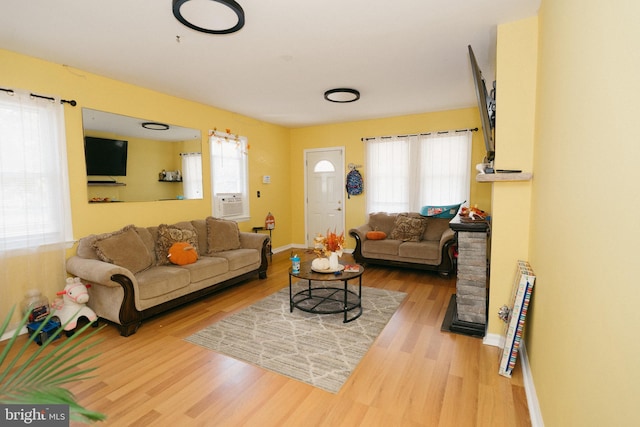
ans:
x=413 y=375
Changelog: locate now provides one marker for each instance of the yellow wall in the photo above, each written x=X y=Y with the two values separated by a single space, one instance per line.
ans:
x=516 y=63
x=584 y=235
x=349 y=135
x=268 y=154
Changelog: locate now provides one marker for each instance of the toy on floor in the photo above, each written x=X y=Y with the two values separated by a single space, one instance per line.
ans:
x=72 y=306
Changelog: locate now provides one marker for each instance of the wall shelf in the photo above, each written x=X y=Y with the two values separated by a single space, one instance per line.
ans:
x=504 y=177
x=106 y=184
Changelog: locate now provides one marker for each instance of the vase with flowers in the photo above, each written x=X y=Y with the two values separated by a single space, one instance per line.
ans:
x=331 y=247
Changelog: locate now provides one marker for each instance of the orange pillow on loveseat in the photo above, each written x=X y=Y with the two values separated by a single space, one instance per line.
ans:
x=376 y=235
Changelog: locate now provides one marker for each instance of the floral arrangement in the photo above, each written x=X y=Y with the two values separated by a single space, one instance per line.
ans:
x=332 y=242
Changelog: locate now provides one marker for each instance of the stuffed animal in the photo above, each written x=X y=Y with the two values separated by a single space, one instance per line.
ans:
x=72 y=306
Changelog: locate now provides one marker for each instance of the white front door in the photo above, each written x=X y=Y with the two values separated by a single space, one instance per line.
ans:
x=324 y=188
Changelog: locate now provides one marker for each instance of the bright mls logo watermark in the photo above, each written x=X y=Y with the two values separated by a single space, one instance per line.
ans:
x=34 y=415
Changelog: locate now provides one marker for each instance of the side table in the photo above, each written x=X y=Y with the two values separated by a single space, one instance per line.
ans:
x=327 y=299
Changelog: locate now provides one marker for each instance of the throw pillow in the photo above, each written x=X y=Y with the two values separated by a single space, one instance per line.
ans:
x=408 y=229
x=124 y=248
x=182 y=253
x=376 y=235
x=170 y=234
x=222 y=235
x=382 y=221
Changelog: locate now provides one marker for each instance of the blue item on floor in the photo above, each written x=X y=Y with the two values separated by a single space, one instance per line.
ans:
x=48 y=330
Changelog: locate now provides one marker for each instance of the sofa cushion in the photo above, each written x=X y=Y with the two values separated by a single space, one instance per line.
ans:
x=206 y=268
x=222 y=235
x=435 y=228
x=124 y=248
x=373 y=248
x=408 y=228
x=149 y=240
x=86 y=249
x=161 y=280
x=240 y=258
x=170 y=234
x=424 y=250
x=200 y=225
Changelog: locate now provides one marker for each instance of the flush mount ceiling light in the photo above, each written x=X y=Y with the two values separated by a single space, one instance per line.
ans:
x=342 y=95
x=155 y=126
x=231 y=4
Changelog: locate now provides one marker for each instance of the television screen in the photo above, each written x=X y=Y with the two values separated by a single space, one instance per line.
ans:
x=487 y=107
x=105 y=156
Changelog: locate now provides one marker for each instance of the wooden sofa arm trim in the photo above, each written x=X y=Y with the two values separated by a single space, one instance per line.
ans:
x=130 y=317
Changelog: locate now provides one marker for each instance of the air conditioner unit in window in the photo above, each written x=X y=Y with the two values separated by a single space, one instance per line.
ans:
x=228 y=205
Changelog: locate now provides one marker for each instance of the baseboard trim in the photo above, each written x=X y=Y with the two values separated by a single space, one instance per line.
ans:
x=296 y=246
x=9 y=334
x=530 y=390
x=535 y=414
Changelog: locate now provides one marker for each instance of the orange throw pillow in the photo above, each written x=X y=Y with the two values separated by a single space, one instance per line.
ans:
x=182 y=253
x=376 y=235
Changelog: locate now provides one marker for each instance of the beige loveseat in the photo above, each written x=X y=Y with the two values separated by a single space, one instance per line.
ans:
x=132 y=279
x=405 y=240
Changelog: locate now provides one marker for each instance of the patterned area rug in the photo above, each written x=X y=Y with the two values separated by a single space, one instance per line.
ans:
x=318 y=349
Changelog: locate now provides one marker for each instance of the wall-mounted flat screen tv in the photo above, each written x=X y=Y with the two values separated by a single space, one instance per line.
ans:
x=107 y=157
x=487 y=107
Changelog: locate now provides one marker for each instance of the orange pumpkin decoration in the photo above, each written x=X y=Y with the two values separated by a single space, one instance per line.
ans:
x=376 y=235
x=182 y=253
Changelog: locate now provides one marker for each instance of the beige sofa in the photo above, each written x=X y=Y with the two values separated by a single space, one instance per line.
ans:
x=405 y=240
x=132 y=279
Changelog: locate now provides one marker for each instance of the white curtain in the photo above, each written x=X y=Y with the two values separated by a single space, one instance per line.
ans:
x=405 y=173
x=192 y=175
x=35 y=212
x=229 y=170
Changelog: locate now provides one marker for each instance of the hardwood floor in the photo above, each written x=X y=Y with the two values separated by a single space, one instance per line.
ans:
x=413 y=375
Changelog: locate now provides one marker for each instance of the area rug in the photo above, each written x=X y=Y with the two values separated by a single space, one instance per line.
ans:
x=318 y=349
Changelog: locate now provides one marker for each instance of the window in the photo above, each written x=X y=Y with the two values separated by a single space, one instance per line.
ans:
x=34 y=189
x=192 y=175
x=229 y=176
x=324 y=166
x=404 y=173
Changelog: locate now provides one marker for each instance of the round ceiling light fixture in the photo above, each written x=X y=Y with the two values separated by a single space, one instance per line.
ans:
x=155 y=126
x=342 y=95
x=231 y=4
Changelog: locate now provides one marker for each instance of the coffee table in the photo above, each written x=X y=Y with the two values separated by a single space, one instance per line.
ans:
x=327 y=299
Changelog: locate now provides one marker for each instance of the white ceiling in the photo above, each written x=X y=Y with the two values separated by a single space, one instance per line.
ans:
x=404 y=56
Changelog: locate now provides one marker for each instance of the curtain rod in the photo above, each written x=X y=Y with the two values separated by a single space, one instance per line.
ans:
x=420 y=134
x=73 y=102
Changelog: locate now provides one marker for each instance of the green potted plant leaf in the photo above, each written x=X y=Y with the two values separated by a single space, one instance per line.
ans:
x=36 y=377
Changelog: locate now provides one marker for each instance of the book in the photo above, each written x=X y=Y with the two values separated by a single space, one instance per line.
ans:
x=523 y=286
x=351 y=268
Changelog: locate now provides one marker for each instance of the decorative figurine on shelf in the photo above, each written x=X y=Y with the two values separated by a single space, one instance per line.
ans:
x=72 y=306
x=269 y=222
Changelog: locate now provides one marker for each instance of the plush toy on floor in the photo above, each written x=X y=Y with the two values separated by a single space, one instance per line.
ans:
x=72 y=306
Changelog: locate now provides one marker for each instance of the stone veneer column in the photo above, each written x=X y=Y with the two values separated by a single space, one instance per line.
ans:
x=471 y=287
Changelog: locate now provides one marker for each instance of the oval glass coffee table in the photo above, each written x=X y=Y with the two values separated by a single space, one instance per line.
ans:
x=327 y=299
